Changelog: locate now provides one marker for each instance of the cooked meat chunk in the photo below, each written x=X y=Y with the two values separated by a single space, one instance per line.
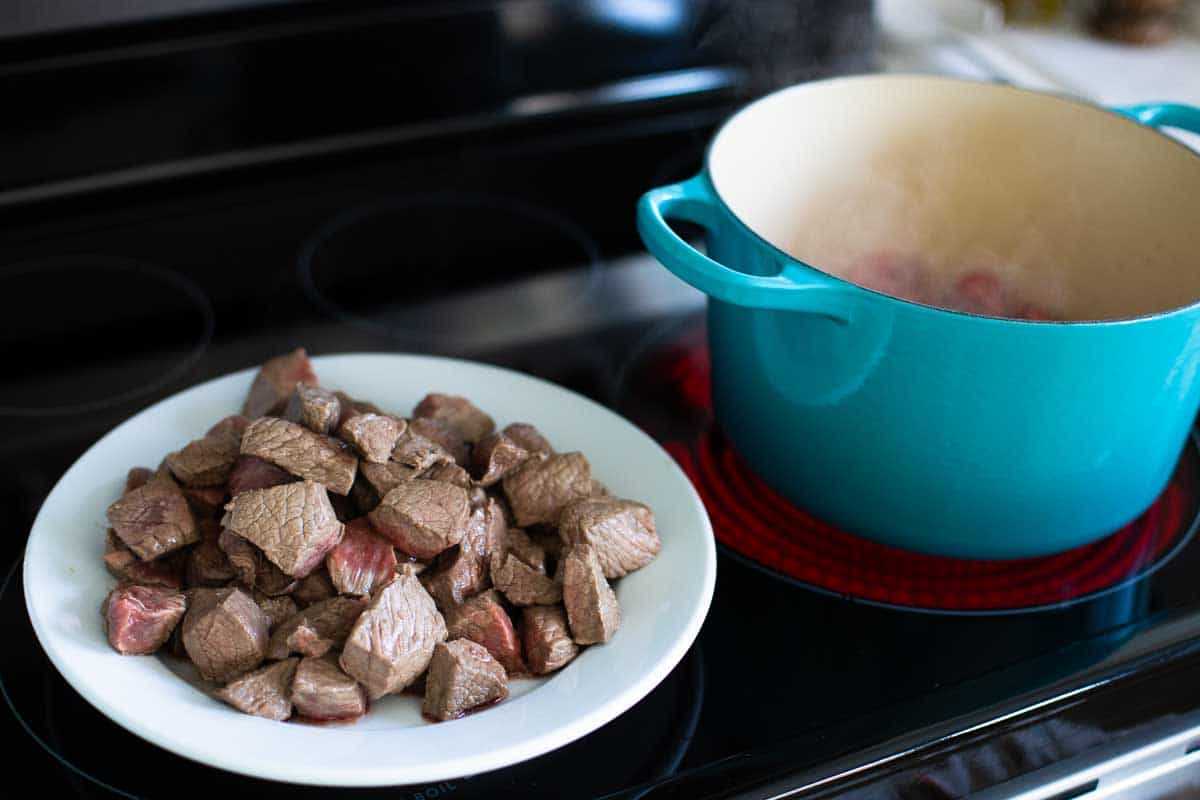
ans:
x=271 y=580
x=522 y=584
x=538 y=490
x=234 y=425
x=547 y=639
x=244 y=558
x=278 y=609
x=393 y=640
x=137 y=477
x=457 y=413
x=418 y=452
x=372 y=435
x=317 y=629
x=385 y=477
x=528 y=438
x=519 y=544
x=276 y=380
x=139 y=619
x=363 y=496
x=205 y=501
x=224 y=633
x=483 y=619
x=153 y=520
x=465 y=571
x=440 y=434
x=551 y=544
x=621 y=531
x=252 y=472
x=208 y=566
x=592 y=609
x=462 y=676
x=448 y=472
x=207 y=461
x=123 y=564
x=315 y=408
x=494 y=456
x=322 y=691
x=313 y=589
x=266 y=692
x=362 y=561
x=301 y=452
x=294 y=524
x=422 y=518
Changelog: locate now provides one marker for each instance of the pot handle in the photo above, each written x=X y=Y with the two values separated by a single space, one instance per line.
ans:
x=1159 y=115
x=797 y=287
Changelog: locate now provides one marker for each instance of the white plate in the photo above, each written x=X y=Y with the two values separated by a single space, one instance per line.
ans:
x=663 y=604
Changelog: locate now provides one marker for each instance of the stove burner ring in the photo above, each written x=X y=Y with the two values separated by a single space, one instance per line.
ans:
x=125 y=269
x=587 y=254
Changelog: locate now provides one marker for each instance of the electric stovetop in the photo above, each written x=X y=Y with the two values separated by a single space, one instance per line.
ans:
x=827 y=665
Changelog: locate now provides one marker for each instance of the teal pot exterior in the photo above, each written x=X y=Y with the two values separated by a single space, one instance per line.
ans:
x=927 y=429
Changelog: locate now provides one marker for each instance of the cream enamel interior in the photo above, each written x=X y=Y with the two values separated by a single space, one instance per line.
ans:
x=1094 y=215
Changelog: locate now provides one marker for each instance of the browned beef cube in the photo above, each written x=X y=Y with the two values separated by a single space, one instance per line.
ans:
x=266 y=692
x=385 y=477
x=278 y=609
x=372 y=435
x=448 y=472
x=462 y=676
x=322 y=691
x=234 y=425
x=294 y=524
x=352 y=406
x=271 y=580
x=551 y=544
x=224 y=633
x=301 y=452
x=315 y=408
x=440 y=434
x=592 y=609
x=252 y=472
x=275 y=382
x=494 y=456
x=464 y=570
x=621 y=531
x=207 y=565
x=457 y=413
x=362 y=562
x=153 y=520
x=483 y=619
x=547 y=639
x=393 y=640
x=139 y=619
x=137 y=477
x=244 y=558
x=522 y=584
x=418 y=452
x=123 y=564
x=521 y=545
x=422 y=518
x=313 y=589
x=541 y=487
x=317 y=629
x=205 y=501
x=528 y=438
x=207 y=461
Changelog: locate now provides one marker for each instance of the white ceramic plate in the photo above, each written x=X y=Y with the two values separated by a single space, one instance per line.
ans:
x=663 y=604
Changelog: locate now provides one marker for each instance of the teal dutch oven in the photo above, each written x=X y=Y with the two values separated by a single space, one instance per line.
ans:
x=926 y=428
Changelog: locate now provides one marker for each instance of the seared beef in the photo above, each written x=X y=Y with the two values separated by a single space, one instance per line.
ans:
x=418 y=452
x=551 y=544
x=457 y=413
x=322 y=691
x=293 y=524
x=462 y=675
x=547 y=639
x=385 y=477
x=448 y=472
x=483 y=619
x=317 y=629
x=139 y=619
x=522 y=584
x=443 y=435
x=315 y=408
x=372 y=435
x=234 y=425
x=278 y=609
x=208 y=566
x=275 y=382
x=464 y=571
x=526 y=549
x=244 y=558
x=363 y=496
x=352 y=406
x=528 y=438
x=271 y=580
x=123 y=564
x=538 y=490
x=421 y=517
x=136 y=477
x=266 y=692
x=621 y=531
x=301 y=452
x=207 y=461
x=393 y=640
x=252 y=472
x=313 y=589
x=494 y=456
x=205 y=501
x=224 y=633
x=153 y=519
x=592 y=608
x=362 y=562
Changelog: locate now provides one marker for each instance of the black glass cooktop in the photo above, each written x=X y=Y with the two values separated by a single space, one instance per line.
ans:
x=520 y=251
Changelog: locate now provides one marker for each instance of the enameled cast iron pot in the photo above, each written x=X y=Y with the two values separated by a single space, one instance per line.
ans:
x=924 y=428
